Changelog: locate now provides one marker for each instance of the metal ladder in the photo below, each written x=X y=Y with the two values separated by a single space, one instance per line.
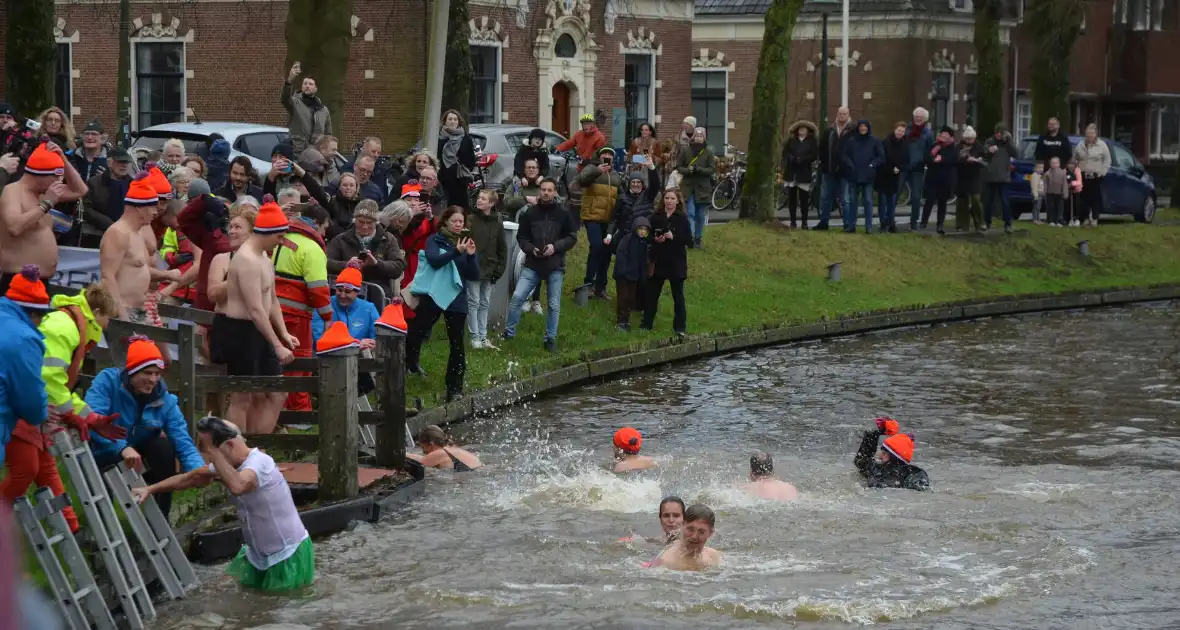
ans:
x=153 y=531
x=104 y=526
x=368 y=434
x=83 y=596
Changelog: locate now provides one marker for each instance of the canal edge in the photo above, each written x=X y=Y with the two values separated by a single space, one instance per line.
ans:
x=695 y=347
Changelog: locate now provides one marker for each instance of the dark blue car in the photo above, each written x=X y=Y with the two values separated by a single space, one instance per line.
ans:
x=1126 y=189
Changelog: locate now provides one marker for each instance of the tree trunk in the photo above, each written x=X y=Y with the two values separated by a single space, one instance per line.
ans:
x=31 y=57
x=123 y=93
x=319 y=37
x=989 y=83
x=770 y=93
x=459 y=73
x=1054 y=26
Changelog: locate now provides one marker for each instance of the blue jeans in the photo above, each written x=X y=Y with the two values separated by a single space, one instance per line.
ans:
x=698 y=215
x=886 y=208
x=832 y=186
x=529 y=280
x=856 y=193
x=598 y=261
x=917 y=179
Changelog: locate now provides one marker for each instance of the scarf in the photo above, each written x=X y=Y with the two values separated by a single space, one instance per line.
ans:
x=450 y=236
x=916 y=130
x=312 y=102
x=450 y=150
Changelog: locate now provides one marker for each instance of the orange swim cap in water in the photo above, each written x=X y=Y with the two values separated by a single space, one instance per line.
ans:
x=888 y=425
x=629 y=440
x=900 y=446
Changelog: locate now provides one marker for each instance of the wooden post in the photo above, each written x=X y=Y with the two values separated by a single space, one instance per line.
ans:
x=339 y=431
x=186 y=369
x=391 y=433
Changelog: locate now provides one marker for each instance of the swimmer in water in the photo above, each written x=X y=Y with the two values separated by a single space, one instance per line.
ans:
x=762 y=482
x=627 y=458
x=689 y=552
x=890 y=467
x=671 y=514
x=440 y=452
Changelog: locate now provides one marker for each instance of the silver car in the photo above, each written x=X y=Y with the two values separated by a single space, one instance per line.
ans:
x=253 y=141
x=503 y=141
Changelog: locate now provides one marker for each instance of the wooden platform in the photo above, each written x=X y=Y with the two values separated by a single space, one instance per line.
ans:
x=309 y=474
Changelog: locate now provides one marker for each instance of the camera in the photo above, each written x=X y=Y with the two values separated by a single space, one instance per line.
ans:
x=32 y=125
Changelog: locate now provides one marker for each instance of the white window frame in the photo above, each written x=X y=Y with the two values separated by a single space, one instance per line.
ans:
x=1023 y=102
x=1155 y=120
x=966 y=8
x=725 y=134
x=950 y=97
x=136 y=41
x=498 y=106
x=652 y=118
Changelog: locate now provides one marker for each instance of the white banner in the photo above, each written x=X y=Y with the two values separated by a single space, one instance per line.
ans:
x=76 y=267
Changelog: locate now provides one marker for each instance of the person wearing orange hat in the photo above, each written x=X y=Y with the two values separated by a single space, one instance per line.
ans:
x=359 y=314
x=156 y=430
x=22 y=351
x=25 y=205
x=250 y=334
x=889 y=467
x=627 y=443
x=126 y=258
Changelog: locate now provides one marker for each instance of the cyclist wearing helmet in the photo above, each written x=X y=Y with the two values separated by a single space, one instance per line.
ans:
x=586 y=142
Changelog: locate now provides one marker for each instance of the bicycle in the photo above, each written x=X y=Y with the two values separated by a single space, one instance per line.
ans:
x=728 y=189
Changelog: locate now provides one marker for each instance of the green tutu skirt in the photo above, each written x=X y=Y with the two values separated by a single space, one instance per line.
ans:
x=295 y=572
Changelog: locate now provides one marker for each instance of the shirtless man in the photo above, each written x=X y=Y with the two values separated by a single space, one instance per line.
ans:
x=27 y=233
x=249 y=334
x=689 y=553
x=762 y=482
x=126 y=255
x=627 y=442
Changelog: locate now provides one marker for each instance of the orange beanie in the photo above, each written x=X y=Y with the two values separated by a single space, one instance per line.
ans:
x=900 y=446
x=393 y=318
x=629 y=440
x=42 y=162
x=335 y=338
x=159 y=181
x=141 y=192
x=142 y=353
x=27 y=290
x=271 y=219
x=350 y=278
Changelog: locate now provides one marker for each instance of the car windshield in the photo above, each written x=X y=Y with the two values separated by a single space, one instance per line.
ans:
x=1028 y=149
x=155 y=140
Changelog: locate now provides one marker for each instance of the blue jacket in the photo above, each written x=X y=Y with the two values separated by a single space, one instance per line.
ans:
x=440 y=251
x=919 y=147
x=143 y=420
x=862 y=155
x=22 y=392
x=86 y=168
x=361 y=319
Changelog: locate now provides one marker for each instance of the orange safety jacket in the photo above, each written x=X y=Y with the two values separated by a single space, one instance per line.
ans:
x=301 y=273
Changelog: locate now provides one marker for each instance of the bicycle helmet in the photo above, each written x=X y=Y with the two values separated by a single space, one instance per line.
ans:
x=586 y=118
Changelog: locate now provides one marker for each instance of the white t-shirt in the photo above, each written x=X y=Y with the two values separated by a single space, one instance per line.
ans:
x=270 y=523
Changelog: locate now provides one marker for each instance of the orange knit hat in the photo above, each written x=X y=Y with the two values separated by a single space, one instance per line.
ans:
x=900 y=446
x=350 y=278
x=335 y=338
x=271 y=219
x=159 y=181
x=142 y=353
x=42 y=162
x=629 y=440
x=393 y=318
x=27 y=290
x=141 y=192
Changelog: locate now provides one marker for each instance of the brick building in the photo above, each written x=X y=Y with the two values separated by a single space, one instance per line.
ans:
x=905 y=53
x=537 y=62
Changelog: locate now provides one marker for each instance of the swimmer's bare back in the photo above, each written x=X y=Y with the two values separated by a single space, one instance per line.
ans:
x=33 y=246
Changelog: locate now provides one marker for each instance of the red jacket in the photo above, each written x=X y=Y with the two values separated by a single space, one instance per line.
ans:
x=192 y=224
x=413 y=241
x=587 y=144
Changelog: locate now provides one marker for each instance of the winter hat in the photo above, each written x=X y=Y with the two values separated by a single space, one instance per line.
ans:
x=141 y=192
x=220 y=149
x=335 y=339
x=198 y=187
x=313 y=161
x=969 y=132
x=42 y=162
x=947 y=129
x=271 y=219
x=411 y=190
x=900 y=446
x=350 y=278
x=284 y=149
x=142 y=353
x=393 y=318
x=606 y=151
x=888 y=425
x=27 y=290
x=629 y=440
x=7 y=110
x=94 y=125
x=1001 y=128
x=159 y=180
x=691 y=120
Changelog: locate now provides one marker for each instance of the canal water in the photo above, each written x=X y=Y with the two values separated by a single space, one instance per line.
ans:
x=1051 y=441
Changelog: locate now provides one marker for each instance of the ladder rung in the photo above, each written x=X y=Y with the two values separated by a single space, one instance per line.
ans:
x=84 y=592
x=54 y=539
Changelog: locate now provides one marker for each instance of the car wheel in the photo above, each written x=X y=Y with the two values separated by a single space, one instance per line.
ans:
x=1147 y=213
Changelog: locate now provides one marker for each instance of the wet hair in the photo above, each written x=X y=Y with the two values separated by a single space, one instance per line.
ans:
x=222 y=430
x=670 y=499
x=761 y=464
x=450 y=212
x=434 y=435
x=100 y=300
x=700 y=512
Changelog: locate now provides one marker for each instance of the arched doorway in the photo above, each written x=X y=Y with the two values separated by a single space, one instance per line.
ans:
x=561 y=108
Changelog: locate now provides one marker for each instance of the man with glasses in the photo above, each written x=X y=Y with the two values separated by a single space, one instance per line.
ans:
x=431 y=193
x=359 y=314
x=363 y=169
x=90 y=159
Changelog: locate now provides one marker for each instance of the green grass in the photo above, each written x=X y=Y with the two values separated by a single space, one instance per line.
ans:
x=752 y=276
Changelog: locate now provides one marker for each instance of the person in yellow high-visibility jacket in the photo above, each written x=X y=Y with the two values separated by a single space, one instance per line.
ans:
x=301 y=284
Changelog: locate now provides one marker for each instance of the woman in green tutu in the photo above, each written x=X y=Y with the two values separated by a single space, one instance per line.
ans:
x=278 y=554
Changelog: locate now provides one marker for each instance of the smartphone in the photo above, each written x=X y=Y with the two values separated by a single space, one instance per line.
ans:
x=298 y=208
x=465 y=231
x=639 y=159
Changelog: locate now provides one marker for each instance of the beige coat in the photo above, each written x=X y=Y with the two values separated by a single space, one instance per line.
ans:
x=1092 y=159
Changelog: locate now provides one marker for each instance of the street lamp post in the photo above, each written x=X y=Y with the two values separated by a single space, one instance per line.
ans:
x=825 y=6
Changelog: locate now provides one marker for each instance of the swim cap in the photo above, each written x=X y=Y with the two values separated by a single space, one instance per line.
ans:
x=900 y=446
x=629 y=440
x=888 y=425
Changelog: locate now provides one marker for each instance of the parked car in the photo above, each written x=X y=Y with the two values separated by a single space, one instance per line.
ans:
x=499 y=144
x=254 y=141
x=1127 y=189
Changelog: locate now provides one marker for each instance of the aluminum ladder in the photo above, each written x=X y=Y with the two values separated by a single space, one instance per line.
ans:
x=153 y=531
x=368 y=434
x=105 y=528
x=82 y=598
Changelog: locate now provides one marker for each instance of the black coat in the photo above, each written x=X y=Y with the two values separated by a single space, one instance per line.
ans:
x=671 y=257
x=227 y=192
x=895 y=474
x=971 y=173
x=632 y=254
x=942 y=176
x=629 y=207
x=896 y=156
x=831 y=148
x=799 y=155
x=526 y=153
x=546 y=224
x=1057 y=146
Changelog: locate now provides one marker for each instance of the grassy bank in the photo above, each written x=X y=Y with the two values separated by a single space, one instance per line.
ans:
x=751 y=276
